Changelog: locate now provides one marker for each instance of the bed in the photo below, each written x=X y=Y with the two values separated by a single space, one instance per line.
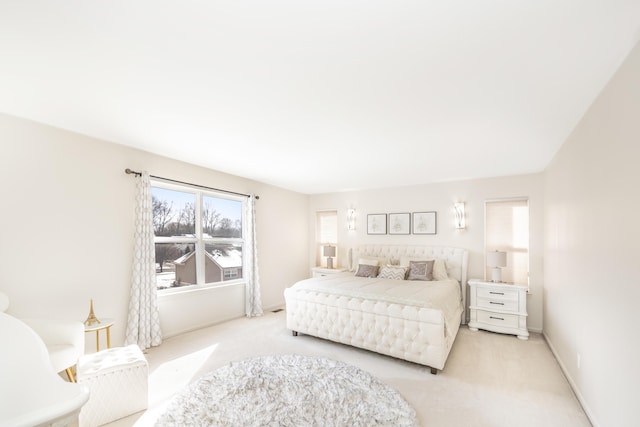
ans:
x=413 y=320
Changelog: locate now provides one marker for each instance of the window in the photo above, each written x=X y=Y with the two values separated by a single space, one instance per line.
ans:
x=198 y=236
x=326 y=233
x=507 y=229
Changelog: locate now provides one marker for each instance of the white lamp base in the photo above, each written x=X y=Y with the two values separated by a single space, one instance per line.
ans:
x=496 y=275
x=329 y=262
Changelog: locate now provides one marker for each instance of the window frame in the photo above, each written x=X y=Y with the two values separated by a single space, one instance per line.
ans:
x=321 y=239
x=513 y=249
x=199 y=240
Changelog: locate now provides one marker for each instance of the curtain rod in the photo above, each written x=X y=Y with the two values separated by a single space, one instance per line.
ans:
x=132 y=172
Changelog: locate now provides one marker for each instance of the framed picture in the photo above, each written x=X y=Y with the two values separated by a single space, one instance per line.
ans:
x=424 y=223
x=399 y=223
x=377 y=224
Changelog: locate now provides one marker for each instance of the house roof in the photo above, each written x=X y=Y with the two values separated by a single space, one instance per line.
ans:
x=319 y=96
x=232 y=259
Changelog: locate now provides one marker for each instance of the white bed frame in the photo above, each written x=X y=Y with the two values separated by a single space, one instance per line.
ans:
x=414 y=334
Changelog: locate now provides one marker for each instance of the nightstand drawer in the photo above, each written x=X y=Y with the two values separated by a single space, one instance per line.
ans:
x=498 y=319
x=498 y=304
x=498 y=294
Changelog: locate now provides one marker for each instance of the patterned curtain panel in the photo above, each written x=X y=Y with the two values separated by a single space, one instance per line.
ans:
x=143 y=323
x=253 y=303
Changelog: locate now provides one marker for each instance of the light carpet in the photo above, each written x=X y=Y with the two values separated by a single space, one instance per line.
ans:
x=490 y=380
x=288 y=390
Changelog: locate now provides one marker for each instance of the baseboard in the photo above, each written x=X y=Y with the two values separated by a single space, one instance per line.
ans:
x=572 y=384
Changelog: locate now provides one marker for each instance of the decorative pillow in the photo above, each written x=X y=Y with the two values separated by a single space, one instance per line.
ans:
x=395 y=272
x=420 y=270
x=368 y=261
x=440 y=270
x=365 y=270
x=439 y=267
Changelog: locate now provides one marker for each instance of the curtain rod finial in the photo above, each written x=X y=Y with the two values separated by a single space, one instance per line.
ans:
x=129 y=172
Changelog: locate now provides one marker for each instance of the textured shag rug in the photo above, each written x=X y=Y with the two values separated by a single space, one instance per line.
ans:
x=288 y=390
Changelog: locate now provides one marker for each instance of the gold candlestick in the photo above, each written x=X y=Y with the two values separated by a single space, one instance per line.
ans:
x=91 y=319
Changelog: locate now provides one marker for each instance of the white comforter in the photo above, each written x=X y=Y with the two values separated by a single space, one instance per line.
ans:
x=441 y=295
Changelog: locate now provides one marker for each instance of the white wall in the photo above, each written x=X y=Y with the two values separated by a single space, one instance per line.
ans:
x=592 y=227
x=440 y=198
x=67 y=215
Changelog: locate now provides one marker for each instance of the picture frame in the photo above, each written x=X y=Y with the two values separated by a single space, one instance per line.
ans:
x=399 y=223
x=425 y=222
x=377 y=224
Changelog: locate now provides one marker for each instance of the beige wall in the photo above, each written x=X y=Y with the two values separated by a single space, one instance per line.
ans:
x=67 y=216
x=440 y=198
x=592 y=229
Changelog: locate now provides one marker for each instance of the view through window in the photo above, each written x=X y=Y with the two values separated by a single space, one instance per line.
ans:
x=198 y=236
x=326 y=234
x=507 y=229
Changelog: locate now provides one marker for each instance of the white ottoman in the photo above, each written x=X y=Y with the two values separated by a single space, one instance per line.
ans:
x=118 y=379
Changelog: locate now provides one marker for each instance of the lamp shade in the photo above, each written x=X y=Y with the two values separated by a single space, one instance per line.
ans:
x=497 y=259
x=329 y=250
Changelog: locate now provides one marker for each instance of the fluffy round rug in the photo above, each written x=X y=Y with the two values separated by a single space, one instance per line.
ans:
x=288 y=390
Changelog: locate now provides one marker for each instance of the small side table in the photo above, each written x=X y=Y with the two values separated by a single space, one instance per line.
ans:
x=105 y=324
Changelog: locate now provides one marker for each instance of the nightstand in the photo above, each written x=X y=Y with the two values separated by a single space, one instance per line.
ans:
x=498 y=307
x=322 y=271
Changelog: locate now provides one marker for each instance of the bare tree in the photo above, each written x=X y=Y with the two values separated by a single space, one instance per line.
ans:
x=210 y=219
x=226 y=228
x=166 y=252
x=186 y=220
x=162 y=215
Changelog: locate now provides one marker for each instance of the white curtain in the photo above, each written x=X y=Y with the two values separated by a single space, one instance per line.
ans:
x=143 y=323
x=253 y=303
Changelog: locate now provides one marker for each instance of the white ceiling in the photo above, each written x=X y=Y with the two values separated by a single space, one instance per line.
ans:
x=318 y=95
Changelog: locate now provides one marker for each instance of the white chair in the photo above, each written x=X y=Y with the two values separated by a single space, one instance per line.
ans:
x=64 y=339
x=32 y=393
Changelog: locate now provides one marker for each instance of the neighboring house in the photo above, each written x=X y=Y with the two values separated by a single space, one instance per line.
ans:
x=218 y=267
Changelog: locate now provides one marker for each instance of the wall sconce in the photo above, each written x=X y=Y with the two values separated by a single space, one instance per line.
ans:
x=329 y=251
x=458 y=212
x=496 y=260
x=351 y=219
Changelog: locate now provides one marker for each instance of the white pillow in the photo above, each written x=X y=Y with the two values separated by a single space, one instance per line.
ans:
x=440 y=270
x=373 y=260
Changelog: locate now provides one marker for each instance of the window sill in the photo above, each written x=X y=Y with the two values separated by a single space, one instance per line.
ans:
x=198 y=288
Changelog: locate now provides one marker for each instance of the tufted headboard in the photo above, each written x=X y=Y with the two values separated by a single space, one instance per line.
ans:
x=456 y=260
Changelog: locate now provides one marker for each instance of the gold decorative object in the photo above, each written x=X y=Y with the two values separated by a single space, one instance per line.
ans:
x=91 y=319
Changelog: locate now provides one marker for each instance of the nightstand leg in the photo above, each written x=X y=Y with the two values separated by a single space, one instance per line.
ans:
x=109 y=337
x=98 y=340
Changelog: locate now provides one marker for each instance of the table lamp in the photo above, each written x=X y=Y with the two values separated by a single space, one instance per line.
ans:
x=329 y=251
x=496 y=260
